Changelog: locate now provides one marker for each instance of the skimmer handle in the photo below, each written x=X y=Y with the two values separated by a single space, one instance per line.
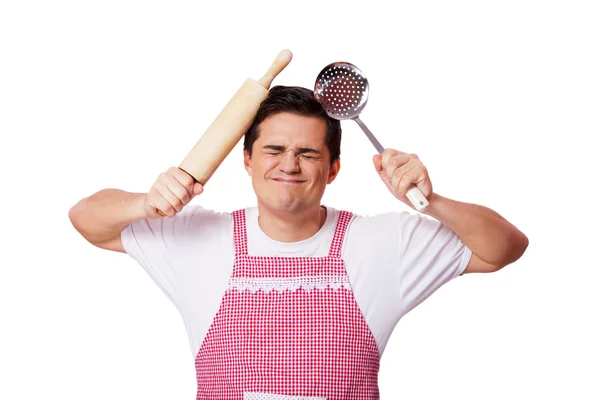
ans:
x=414 y=194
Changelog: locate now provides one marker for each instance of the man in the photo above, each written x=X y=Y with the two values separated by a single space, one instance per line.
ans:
x=293 y=299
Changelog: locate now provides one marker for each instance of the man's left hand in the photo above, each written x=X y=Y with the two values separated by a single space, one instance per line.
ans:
x=399 y=170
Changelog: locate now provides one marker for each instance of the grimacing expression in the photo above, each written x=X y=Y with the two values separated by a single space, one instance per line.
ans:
x=290 y=164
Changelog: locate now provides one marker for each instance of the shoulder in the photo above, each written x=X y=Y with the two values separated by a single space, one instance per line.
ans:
x=394 y=228
x=368 y=231
x=192 y=221
x=387 y=220
x=198 y=215
x=193 y=231
x=198 y=221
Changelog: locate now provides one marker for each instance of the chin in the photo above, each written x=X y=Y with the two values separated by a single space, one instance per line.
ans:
x=287 y=205
x=284 y=204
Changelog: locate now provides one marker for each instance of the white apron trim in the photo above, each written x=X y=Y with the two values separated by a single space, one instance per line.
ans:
x=307 y=283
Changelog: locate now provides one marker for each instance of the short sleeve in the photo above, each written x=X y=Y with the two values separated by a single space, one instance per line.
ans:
x=163 y=246
x=431 y=255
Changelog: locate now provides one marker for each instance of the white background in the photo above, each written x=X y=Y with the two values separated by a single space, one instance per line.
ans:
x=500 y=100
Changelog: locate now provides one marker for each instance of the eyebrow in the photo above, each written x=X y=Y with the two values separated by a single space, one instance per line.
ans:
x=301 y=150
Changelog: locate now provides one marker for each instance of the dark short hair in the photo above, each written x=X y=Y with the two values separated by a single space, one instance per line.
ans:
x=296 y=100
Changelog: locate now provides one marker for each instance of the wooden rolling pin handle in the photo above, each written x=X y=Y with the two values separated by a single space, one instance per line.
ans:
x=282 y=60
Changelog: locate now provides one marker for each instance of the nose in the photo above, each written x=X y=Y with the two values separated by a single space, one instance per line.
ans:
x=289 y=163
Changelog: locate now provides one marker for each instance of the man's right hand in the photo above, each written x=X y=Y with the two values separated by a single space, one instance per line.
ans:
x=172 y=191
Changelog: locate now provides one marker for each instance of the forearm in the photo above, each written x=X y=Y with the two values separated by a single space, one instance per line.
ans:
x=491 y=237
x=103 y=215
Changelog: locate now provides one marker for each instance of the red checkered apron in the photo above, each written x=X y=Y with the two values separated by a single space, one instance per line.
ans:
x=288 y=328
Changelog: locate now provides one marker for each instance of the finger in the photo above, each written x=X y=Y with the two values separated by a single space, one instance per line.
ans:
x=163 y=198
x=399 y=174
x=377 y=163
x=152 y=212
x=414 y=176
x=402 y=160
x=388 y=154
x=159 y=203
x=403 y=185
x=394 y=163
x=184 y=178
x=179 y=191
x=198 y=189
x=171 y=198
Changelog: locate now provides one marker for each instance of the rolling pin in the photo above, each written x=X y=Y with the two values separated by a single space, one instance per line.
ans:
x=231 y=124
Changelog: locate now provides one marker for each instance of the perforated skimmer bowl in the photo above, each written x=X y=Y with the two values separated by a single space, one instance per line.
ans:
x=343 y=91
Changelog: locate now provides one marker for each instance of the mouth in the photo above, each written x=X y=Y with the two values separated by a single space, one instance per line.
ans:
x=289 y=181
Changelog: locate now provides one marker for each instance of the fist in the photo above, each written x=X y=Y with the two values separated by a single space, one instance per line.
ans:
x=172 y=190
x=399 y=171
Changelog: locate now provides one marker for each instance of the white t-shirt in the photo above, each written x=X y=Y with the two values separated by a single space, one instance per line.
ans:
x=394 y=261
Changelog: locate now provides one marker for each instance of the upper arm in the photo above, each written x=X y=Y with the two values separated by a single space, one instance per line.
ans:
x=114 y=244
x=476 y=264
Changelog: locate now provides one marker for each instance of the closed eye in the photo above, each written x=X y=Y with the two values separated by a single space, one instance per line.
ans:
x=305 y=152
x=273 y=150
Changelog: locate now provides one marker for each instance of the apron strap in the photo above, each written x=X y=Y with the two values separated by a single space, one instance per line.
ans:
x=335 y=250
x=241 y=242
x=239 y=232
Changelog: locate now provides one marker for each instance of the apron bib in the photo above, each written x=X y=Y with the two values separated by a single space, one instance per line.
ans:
x=288 y=328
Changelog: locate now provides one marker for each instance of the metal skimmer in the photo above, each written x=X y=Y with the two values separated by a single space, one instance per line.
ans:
x=343 y=90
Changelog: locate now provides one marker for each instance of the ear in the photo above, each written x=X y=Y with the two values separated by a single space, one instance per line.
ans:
x=248 y=162
x=333 y=170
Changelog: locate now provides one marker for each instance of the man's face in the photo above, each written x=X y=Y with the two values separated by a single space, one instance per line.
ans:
x=290 y=165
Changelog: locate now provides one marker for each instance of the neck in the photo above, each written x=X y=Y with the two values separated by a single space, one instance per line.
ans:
x=291 y=227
